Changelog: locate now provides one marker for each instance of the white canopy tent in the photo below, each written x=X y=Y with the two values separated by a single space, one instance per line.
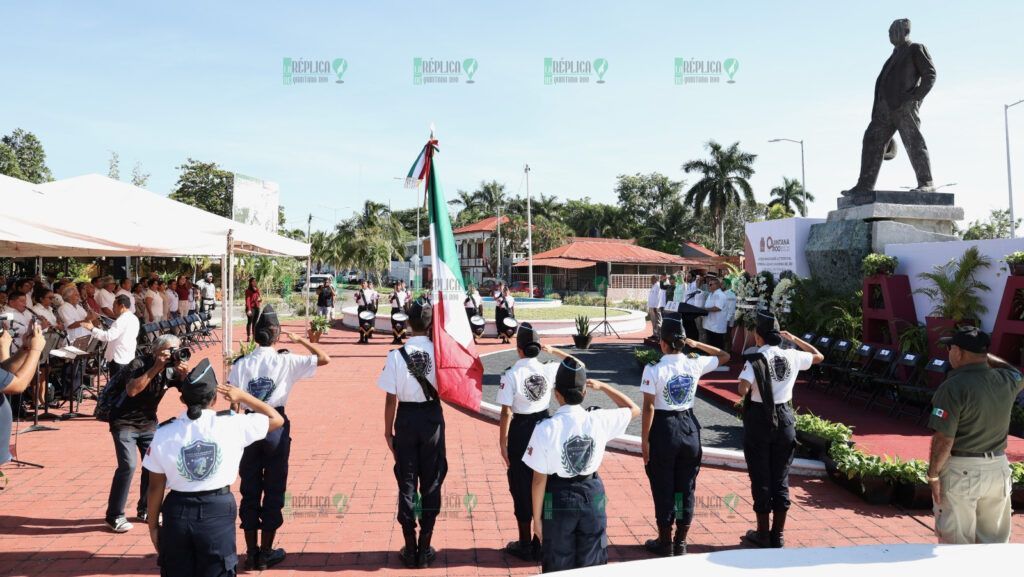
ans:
x=93 y=215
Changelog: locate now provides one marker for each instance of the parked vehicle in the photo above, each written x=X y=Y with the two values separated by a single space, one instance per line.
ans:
x=487 y=286
x=315 y=280
x=521 y=286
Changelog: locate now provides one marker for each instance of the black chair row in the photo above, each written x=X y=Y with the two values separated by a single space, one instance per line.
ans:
x=877 y=376
x=194 y=330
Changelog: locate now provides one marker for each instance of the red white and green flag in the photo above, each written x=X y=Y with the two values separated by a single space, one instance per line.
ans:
x=460 y=374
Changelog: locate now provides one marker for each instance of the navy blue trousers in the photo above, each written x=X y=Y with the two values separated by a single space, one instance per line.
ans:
x=769 y=454
x=675 y=455
x=264 y=473
x=197 y=538
x=575 y=524
x=421 y=464
x=520 y=475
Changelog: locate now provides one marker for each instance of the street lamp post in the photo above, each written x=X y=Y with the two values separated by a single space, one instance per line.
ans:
x=529 y=233
x=1009 y=173
x=803 y=173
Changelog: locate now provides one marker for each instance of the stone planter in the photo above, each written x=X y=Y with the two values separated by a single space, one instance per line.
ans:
x=314 y=336
x=816 y=446
x=1017 y=269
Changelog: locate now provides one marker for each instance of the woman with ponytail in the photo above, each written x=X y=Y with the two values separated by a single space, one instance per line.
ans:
x=196 y=456
x=671 y=433
x=525 y=396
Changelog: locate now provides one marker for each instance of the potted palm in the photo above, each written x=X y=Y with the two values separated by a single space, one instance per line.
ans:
x=1015 y=260
x=317 y=327
x=953 y=289
x=582 y=338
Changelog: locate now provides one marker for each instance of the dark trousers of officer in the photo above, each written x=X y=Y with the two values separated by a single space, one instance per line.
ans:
x=575 y=524
x=126 y=443
x=690 y=326
x=769 y=454
x=716 y=340
x=264 y=473
x=675 y=455
x=420 y=463
x=520 y=475
x=198 y=534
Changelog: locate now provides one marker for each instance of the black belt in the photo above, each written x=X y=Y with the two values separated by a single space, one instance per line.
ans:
x=416 y=405
x=555 y=479
x=777 y=405
x=986 y=454
x=531 y=416
x=221 y=491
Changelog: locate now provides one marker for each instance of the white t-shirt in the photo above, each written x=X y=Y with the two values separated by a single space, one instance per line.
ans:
x=156 y=305
x=18 y=326
x=473 y=300
x=131 y=298
x=572 y=441
x=399 y=381
x=269 y=375
x=105 y=299
x=45 y=312
x=526 y=386
x=673 y=380
x=70 y=314
x=203 y=455
x=716 y=322
x=699 y=298
x=398 y=300
x=783 y=366
x=656 y=297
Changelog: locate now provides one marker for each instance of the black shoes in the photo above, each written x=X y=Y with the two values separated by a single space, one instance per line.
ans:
x=408 y=557
x=425 y=557
x=659 y=547
x=252 y=560
x=777 y=540
x=758 y=539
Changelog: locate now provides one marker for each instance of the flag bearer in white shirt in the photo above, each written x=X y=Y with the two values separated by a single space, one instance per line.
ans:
x=671 y=433
x=565 y=452
x=769 y=436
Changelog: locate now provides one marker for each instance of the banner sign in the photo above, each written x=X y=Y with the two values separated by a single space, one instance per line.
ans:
x=255 y=202
x=778 y=245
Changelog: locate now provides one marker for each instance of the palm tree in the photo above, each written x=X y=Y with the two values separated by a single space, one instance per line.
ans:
x=319 y=248
x=724 y=179
x=954 y=287
x=546 y=206
x=791 y=195
x=490 y=196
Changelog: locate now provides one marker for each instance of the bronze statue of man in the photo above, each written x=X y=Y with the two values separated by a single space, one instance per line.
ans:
x=905 y=80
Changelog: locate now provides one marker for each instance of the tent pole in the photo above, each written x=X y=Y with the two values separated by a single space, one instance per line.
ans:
x=225 y=313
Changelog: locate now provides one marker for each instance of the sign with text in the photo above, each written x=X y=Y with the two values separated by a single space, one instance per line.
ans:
x=778 y=245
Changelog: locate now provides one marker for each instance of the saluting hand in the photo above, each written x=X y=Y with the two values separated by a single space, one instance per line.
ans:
x=295 y=338
x=594 y=384
x=232 y=394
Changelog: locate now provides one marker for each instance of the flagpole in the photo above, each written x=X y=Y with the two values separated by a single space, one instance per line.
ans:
x=529 y=233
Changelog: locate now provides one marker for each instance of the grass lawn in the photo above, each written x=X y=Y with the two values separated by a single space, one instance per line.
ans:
x=543 y=314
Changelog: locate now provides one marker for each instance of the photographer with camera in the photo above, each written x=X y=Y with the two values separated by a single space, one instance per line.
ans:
x=136 y=393
x=122 y=337
x=17 y=372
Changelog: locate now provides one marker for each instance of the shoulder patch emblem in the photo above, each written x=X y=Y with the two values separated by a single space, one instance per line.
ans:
x=778 y=368
x=421 y=364
x=261 y=388
x=535 y=387
x=678 y=390
x=199 y=460
x=577 y=451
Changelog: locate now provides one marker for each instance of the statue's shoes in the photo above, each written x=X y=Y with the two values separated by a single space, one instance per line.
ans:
x=925 y=188
x=854 y=191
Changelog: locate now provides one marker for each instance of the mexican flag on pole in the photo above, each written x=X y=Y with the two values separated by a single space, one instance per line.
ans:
x=460 y=374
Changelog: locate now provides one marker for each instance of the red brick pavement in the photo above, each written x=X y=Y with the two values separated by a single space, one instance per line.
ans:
x=51 y=520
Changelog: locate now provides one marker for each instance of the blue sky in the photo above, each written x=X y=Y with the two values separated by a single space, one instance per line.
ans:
x=203 y=79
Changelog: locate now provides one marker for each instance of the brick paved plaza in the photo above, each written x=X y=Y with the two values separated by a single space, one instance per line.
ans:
x=344 y=496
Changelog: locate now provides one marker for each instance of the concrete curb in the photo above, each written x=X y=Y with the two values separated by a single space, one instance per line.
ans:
x=712 y=455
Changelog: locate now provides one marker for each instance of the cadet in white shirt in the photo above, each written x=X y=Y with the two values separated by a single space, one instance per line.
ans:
x=524 y=396
x=414 y=431
x=196 y=456
x=671 y=434
x=565 y=452
x=269 y=376
x=399 y=302
x=122 y=337
x=655 y=304
x=505 y=315
x=365 y=303
x=769 y=436
x=716 y=324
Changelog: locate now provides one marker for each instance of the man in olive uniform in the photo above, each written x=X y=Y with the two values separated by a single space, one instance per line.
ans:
x=968 y=470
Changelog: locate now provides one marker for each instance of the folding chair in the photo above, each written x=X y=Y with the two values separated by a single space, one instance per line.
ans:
x=903 y=371
x=207 y=330
x=862 y=382
x=150 y=331
x=838 y=355
x=916 y=399
x=860 y=359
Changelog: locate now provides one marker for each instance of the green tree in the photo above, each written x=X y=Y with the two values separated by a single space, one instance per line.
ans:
x=791 y=196
x=591 y=219
x=666 y=231
x=9 y=162
x=205 y=185
x=31 y=158
x=997 y=226
x=643 y=197
x=777 y=212
x=139 y=178
x=723 y=183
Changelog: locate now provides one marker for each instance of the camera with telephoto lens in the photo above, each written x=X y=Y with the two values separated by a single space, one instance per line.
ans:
x=5 y=318
x=180 y=355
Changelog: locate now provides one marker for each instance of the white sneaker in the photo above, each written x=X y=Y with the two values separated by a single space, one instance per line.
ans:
x=120 y=525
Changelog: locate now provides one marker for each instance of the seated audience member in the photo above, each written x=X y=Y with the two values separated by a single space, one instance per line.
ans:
x=73 y=314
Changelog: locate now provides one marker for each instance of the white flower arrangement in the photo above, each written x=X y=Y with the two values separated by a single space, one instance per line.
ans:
x=781 y=298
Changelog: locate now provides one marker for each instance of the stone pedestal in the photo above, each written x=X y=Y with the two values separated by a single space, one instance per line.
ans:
x=866 y=223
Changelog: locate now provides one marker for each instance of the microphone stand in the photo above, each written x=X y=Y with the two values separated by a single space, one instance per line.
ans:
x=51 y=340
